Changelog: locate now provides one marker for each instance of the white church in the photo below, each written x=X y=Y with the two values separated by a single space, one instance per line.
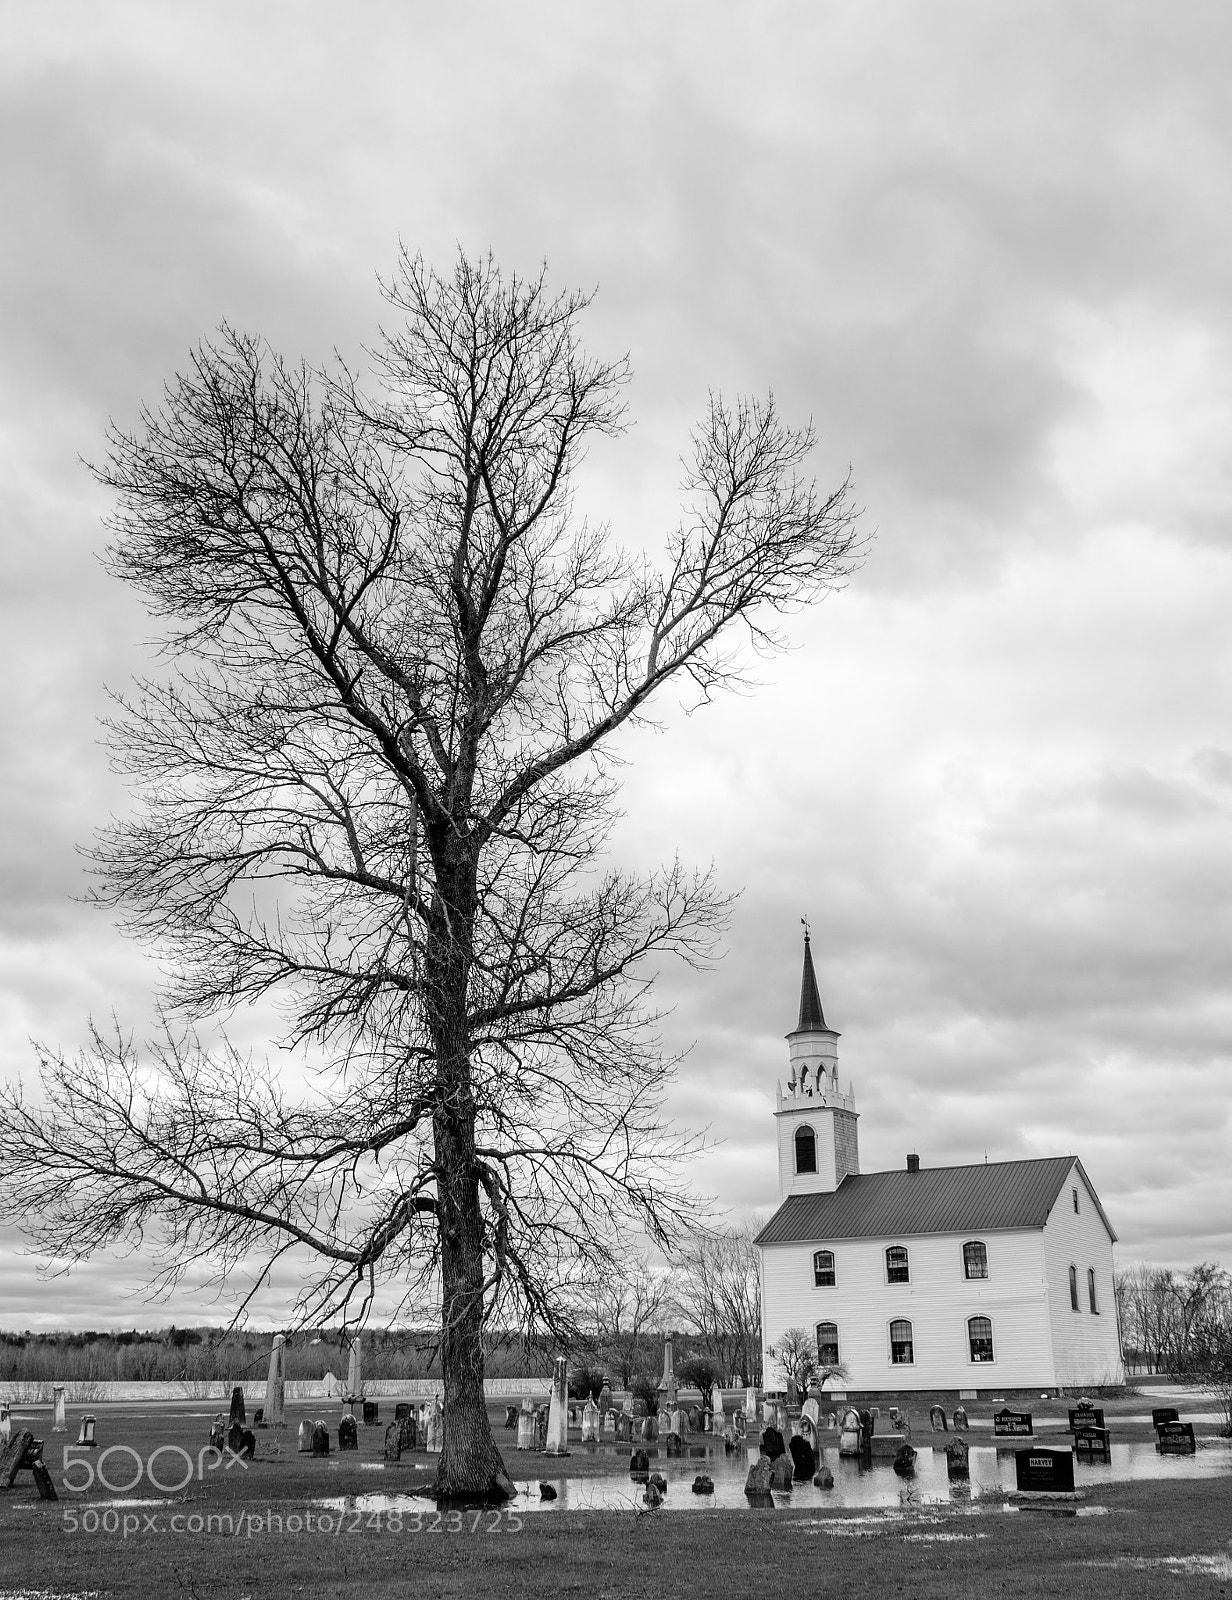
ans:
x=982 y=1278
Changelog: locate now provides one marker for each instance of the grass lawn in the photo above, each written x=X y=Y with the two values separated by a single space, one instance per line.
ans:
x=1144 y=1545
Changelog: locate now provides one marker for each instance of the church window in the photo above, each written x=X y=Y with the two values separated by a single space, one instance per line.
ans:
x=827 y=1344
x=823 y=1269
x=1091 y=1290
x=1073 y=1289
x=975 y=1259
x=806 y=1149
x=897 y=1267
x=902 y=1346
x=979 y=1338
x=1074 y=1192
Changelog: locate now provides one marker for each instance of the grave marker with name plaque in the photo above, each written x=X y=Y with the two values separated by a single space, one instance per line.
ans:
x=1042 y=1471
x=1087 y=1417
x=1012 y=1424
x=1162 y=1414
x=1092 y=1443
x=1176 y=1438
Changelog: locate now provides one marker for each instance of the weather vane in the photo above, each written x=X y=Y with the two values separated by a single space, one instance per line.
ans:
x=807 y=929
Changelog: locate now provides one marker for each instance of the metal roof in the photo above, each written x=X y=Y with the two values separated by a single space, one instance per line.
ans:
x=811 y=1016
x=977 y=1199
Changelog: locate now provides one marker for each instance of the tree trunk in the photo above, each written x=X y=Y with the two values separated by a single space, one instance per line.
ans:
x=471 y=1466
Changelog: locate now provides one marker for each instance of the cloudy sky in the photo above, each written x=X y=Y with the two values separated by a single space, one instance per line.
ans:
x=987 y=248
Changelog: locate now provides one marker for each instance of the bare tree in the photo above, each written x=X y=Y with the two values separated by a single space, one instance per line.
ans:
x=627 y=1305
x=374 y=782
x=717 y=1289
x=1160 y=1310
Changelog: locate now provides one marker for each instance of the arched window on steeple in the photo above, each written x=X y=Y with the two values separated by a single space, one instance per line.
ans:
x=806 y=1149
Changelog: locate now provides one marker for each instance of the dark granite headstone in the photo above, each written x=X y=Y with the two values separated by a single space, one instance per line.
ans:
x=85 y=1438
x=42 y=1481
x=348 y=1434
x=803 y=1457
x=320 y=1439
x=235 y=1437
x=639 y=1464
x=1086 y=1417
x=258 y=1417
x=248 y=1444
x=1041 y=1471
x=772 y=1443
x=1008 y=1424
x=237 y=1405
x=702 y=1484
x=408 y=1433
x=1162 y=1414
x=1175 y=1438
x=1092 y=1443
x=404 y=1409
x=511 y=1416
x=372 y=1413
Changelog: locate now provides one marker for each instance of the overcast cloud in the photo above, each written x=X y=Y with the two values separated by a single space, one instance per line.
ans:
x=988 y=249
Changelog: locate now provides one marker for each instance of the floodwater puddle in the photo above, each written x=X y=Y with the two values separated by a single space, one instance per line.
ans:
x=875 y=1487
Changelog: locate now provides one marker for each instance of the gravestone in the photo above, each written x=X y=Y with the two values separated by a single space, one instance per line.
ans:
x=276 y=1384
x=665 y=1423
x=758 y=1480
x=639 y=1464
x=824 y=1478
x=607 y=1425
x=772 y=1444
x=640 y=1408
x=896 y=1419
x=806 y=1431
x=650 y=1430
x=42 y=1481
x=590 y=1422
x=1041 y=1471
x=960 y=1419
x=320 y=1439
x=1008 y=1424
x=675 y=1445
x=812 y=1410
x=526 y=1426
x=904 y=1460
x=803 y=1457
x=238 y=1413
x=1175 y=1439
x=718 y=1414
x=404 y=1409
x=702 y=1484
x=235 y=1437
x=1085 y=1415
x=258 y=1417
x=248 y=1444
x=393 y=1442
x=653 y=1497
x=938 y=1419
x=372 y=1414
x=348 y=1434
x=547 y=1491
x=511 y=1416
x=436 y=1426
x=407 y=1432
x=957 y=1459
x=850 y=1433
x=1164 y=1414
x=305 y=1437
x=85 y=1436
x=58 y=1422
x=605 y=1402
x=782 y=1471
x=218 y=1433
x=6 y=1423
x=622 y=1428
x=1092 y=1443
x=13 y=1456
x=740 y=1425
x=557 y=1443
x=355 y=1371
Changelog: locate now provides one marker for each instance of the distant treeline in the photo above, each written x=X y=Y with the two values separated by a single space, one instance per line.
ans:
x=208 y=1355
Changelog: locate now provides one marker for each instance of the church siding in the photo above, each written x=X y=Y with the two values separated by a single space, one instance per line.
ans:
x=1087 y=1347
x=938 y=1301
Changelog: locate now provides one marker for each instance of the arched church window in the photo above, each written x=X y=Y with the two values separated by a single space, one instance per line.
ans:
x=898 y=1269
x=979 y=1338
x=1073 y=1289
x=827 y=1344
x=1091 y=1290
x=902 y=1345
x=806 y=1149
x=975 y=1259
x=823 y=1269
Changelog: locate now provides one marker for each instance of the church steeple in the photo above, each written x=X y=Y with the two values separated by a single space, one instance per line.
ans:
x=817 y=1120
x=811 y=1016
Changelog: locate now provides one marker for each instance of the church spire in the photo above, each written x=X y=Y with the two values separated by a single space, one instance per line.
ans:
x=811 y=1016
